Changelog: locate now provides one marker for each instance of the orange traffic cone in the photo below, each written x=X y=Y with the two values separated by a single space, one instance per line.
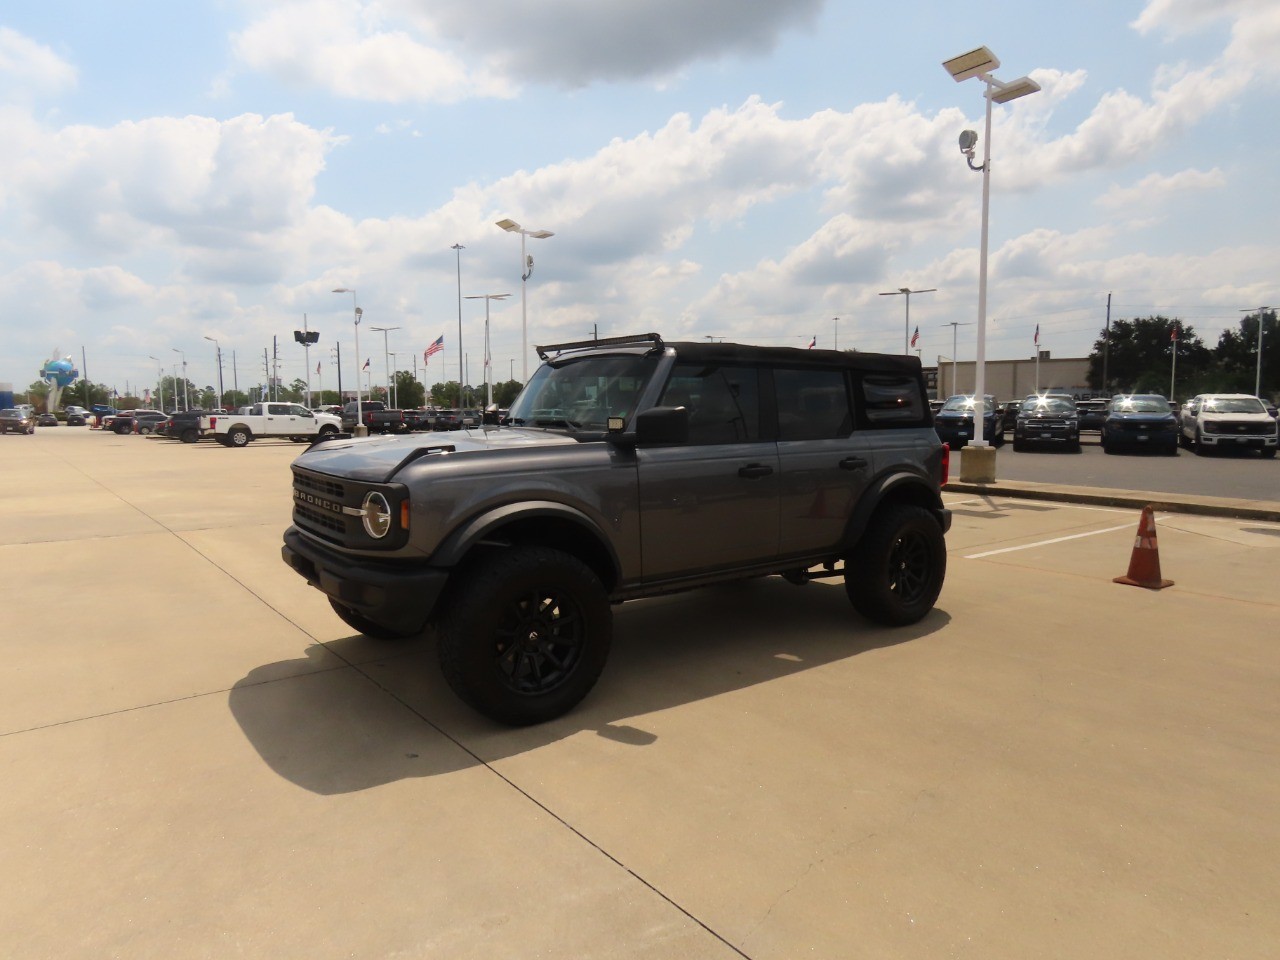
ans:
x=1144 y=565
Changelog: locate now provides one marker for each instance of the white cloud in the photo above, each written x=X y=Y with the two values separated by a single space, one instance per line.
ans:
x=401 y=51
x=1156 y=189
x=27 y=67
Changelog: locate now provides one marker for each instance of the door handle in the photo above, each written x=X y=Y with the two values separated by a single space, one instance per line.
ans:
x=852 y=463
x=754 y=471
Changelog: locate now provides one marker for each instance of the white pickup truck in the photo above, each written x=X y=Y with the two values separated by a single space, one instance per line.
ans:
x=291 y=420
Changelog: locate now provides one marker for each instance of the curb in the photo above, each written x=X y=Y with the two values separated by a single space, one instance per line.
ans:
x=1137 y=499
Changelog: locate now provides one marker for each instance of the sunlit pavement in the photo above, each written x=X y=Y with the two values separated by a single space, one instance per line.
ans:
x=201 y=761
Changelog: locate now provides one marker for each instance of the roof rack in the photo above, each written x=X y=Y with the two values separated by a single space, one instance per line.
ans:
x=635 y=339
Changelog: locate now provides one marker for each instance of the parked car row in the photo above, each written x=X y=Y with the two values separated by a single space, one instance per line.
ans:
x=1127 y=421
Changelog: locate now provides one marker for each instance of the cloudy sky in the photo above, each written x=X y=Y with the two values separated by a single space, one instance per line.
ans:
x=747 y=169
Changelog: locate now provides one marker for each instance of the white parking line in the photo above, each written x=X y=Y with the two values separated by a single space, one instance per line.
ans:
x=1045 y=543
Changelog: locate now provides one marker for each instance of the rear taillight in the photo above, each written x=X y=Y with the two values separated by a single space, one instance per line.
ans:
x=946 y=464
x=213 y=423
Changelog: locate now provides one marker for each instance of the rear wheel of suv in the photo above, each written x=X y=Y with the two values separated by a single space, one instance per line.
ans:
x=895 y=573
x=527 y=635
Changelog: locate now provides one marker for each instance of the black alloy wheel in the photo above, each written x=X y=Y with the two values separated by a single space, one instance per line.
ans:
x=895 y=573
x=527 y=635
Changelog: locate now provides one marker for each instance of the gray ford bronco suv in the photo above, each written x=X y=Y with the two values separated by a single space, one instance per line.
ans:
x=627 y=467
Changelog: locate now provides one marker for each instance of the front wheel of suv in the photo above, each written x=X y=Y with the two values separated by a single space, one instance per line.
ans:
x=527 y=635
x=895 y=573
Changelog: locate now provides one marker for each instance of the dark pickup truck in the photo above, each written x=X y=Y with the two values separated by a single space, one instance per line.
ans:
x=375 y=416
x=630 y=467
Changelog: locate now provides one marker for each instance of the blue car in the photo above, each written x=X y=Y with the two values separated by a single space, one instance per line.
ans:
x=954 y=422
x=1140 y=421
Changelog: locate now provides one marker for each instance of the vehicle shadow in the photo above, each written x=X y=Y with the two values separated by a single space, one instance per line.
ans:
x=358 y=726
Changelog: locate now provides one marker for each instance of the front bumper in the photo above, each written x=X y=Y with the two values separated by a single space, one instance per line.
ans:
x=1232 y=440
x=397 y=596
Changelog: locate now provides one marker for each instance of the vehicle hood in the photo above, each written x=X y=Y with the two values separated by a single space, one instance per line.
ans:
x=377 y=459
x=1134 y=416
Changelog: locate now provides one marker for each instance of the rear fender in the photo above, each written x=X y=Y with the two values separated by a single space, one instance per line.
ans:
x=893 y=488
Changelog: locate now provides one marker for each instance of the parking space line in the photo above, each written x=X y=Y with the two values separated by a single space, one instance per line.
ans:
x=1045 y=543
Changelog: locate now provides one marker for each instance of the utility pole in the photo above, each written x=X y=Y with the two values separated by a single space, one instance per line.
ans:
x=337 y=353
x=1106 y=347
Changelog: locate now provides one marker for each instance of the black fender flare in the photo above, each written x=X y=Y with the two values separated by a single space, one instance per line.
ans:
x=898 y=487
x=470 y=533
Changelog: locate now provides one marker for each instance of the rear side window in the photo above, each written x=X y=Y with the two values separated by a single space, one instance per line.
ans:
x=813 y=404
x=723 y=401
x=891 y=400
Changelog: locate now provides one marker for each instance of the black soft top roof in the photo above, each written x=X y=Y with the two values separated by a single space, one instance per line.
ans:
x=697 y=351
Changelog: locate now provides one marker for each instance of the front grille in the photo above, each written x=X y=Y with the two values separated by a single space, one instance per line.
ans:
x=1241 y=428
x=329 y=509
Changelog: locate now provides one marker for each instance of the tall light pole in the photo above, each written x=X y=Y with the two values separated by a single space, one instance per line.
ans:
x=386 y=355
x=906 y=330
x=360 y=430
x=394 y=397
x=218 y=351
x=526 y=271
x=186 y=397
x=954 y=325
x=1257 y=378
x=979 y=63
x=157 y=360
x=457 y=249
x=488 y=360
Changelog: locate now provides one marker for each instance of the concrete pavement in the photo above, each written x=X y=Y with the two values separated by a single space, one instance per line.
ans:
x=200 y=760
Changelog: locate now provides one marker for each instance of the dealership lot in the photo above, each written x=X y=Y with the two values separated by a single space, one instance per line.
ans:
x=200 y=760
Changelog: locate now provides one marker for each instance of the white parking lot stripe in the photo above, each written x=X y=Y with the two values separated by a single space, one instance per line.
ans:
x=1044 y=543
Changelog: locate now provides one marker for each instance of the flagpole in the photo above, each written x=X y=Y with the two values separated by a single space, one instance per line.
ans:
x=1173 y=374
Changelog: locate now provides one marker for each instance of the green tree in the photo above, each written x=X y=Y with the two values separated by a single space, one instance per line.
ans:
x=409 y=393
x=1139 y=357
x=1237 y=355
x=504 y=394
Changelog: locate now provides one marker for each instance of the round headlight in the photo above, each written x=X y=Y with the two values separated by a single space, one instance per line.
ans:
x=375 y=514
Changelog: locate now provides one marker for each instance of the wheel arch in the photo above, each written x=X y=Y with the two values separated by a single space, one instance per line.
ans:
x=545 y=523
x=890 y=490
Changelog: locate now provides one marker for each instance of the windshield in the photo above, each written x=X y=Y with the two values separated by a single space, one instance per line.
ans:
x=1141 y=405
x=1051 y=405
x=963 y=404
x=582 y=394
x=1235 y=405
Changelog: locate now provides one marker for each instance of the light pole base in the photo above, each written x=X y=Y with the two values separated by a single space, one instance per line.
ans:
x=359 y=430
x=977 y=464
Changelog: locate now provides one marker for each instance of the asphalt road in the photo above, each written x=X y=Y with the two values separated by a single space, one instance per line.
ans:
x=1234 y=474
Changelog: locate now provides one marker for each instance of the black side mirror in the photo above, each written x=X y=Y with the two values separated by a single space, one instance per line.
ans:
x=662 y=427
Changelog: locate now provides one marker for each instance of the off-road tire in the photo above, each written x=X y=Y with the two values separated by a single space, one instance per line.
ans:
x=366 y=626
x=527 y=634
x=895 y=573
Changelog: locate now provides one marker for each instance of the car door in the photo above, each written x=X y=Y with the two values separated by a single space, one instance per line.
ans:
x=710 y=503
x=824 y=465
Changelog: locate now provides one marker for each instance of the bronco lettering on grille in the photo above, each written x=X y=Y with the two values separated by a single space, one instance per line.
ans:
x=318 y=502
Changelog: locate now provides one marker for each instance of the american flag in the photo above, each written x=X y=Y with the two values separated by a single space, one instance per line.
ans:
x=813 y=343
x=366 y=365
x=317 y=367
x=1036 y=341
x=1173 y=333
x=436 y=346
x=915 y=337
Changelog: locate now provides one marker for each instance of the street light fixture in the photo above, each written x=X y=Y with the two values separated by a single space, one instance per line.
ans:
x=526 y=271
x=360 y=430
x=488 y=382
x=906 y=330
x=386 y=356
x=979 y=63
x=218 y=350
x=186 y=397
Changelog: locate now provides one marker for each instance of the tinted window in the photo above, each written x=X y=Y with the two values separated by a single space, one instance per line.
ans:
x=812 y=404
x=889 y=400
x=723 y=402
